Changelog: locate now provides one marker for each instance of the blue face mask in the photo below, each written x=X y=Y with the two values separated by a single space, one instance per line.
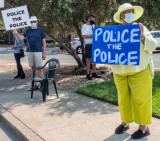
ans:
x=33 y=25
x=130 y=17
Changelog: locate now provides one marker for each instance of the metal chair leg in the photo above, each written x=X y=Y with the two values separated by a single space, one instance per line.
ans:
x=55 y=88
x=32 y=89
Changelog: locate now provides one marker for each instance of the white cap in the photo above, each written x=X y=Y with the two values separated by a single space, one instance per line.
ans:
x=33 y=18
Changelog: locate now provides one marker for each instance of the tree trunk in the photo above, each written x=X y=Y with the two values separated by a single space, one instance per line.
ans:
x=69 y=49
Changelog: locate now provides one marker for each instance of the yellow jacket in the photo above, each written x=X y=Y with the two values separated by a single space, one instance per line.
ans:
x=145 y=56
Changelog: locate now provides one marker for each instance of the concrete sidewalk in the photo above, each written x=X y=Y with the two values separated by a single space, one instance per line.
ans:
x=71 y=117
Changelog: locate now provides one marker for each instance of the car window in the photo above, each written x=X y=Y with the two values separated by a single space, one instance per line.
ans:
x=156 y=34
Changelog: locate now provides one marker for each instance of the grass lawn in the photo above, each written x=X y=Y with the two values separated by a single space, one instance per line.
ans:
x=106 y=91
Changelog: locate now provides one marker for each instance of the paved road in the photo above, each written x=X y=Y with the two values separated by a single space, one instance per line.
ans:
x=64 y=58
x=156 y=59
x=5 y=135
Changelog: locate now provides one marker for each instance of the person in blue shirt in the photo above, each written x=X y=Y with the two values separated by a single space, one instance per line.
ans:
x=16 y=48
x=36 y=49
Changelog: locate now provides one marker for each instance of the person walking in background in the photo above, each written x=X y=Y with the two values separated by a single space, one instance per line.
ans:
x=36 y=49
x=17 y=46
x=134 y=83
x=87 y=33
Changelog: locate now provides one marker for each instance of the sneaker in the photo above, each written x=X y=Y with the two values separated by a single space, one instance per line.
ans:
x=18 y=76
x=96 y=75
x=139 y=134
x=121 y=129
x=88 y=77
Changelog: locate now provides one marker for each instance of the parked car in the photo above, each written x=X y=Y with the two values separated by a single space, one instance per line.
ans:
x=76 y=44
x=156 y=35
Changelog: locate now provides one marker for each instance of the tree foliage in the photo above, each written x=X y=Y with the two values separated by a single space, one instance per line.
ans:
x=150 y=17
x=64 y=17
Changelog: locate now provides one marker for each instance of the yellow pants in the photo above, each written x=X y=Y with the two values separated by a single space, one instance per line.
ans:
x=135 y=96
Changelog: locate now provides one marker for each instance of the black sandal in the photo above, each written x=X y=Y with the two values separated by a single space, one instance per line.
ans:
x=121 y=129
x=35 y=88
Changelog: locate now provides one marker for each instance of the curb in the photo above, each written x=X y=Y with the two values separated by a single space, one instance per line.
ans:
x=10 y=46
x=17 y=128
x=12 y=129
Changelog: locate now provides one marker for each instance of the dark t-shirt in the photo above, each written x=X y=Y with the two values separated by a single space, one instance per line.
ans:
x=34 y=38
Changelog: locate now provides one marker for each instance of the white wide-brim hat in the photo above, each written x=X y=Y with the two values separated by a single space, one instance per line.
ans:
x=138 y=11
x=33 y=18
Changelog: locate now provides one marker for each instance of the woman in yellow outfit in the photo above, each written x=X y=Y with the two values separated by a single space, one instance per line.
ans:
x=134 y=83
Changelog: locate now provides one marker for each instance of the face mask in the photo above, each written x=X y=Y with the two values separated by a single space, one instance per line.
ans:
x=130 y=17
x=33 y=25
x=91 y=22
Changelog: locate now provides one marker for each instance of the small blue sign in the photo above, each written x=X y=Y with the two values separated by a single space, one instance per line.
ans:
x=118 y=45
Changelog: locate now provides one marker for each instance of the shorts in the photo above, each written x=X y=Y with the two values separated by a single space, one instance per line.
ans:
x=88 y=51
x=35 y=59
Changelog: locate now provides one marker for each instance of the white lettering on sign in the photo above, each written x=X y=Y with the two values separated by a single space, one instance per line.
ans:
x=103 y=56
x=125 y=36
x=115 y=46
x=118 y=45
x=130 y=57
x=96 y=54
x=16 y=18
x=97 y=33
x=104 y=36
x=112 y=38
x=1 y=3
x=134 y=34
x=122 y=62
x=116 y=58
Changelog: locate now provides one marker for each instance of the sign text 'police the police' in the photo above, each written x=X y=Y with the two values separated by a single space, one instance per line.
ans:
x=16 y=18
x=118 y=45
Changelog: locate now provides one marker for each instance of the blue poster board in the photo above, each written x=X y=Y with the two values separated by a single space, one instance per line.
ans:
x=118 y=45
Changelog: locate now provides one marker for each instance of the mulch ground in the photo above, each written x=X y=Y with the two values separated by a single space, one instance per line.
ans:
x=66 y=76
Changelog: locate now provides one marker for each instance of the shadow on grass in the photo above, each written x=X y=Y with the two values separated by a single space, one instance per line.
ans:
x=105 y=91
x=156 y=95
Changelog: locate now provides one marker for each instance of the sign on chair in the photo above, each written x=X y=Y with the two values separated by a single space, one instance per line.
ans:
x=118 y=45
x=16 y=18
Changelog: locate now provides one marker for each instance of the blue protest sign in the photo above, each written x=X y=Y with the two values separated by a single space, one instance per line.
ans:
x=118 y=45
